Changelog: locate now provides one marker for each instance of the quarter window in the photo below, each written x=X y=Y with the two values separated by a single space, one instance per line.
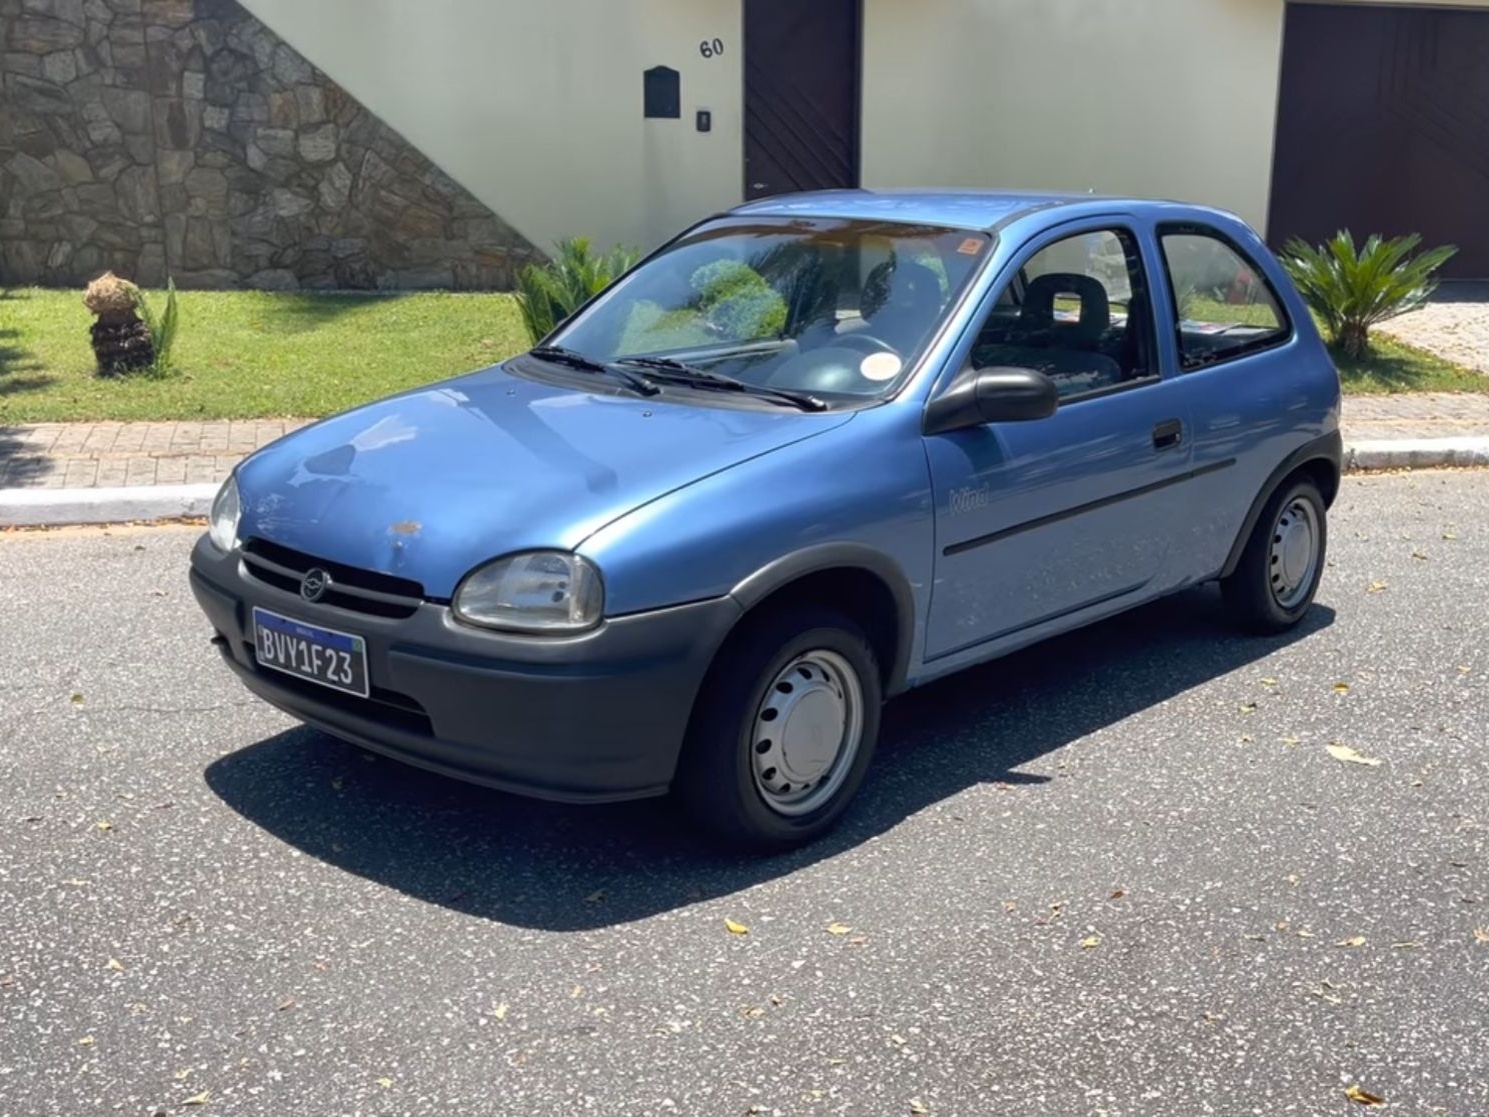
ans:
x=1223 y=305
x=1079 y=312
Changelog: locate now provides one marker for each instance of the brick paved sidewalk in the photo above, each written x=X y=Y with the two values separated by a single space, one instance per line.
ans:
x=106 y=455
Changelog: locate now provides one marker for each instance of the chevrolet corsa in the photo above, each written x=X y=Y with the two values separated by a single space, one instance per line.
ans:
x=811 y=453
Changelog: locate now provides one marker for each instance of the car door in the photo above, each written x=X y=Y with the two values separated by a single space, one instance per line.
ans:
x=1053 y=521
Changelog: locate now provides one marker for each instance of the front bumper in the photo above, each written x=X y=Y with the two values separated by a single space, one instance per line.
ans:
x=592 y=718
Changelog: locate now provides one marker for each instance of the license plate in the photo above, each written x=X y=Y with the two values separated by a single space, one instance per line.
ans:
x=322 y=655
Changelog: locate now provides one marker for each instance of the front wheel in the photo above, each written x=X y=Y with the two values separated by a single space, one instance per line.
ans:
x=784 y=730
x=1278 y=574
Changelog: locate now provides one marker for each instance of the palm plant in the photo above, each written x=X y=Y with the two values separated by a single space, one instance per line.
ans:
x=549 y=293
x=162 y=328
x=1352 y=289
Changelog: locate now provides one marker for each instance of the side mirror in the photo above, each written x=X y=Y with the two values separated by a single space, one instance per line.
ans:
x=992 y=395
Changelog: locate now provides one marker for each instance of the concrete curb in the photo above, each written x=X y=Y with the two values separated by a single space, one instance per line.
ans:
x=1415 y=453
x=59 y=507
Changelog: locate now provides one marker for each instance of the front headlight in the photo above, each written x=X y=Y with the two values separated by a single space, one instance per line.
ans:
x=225 y=511
x=541 y=591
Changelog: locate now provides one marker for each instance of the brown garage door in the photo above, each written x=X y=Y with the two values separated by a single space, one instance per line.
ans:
x=1383 y=127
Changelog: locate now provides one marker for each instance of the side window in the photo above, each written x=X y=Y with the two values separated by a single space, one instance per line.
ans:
x=1223 y=305
x=1079 y=312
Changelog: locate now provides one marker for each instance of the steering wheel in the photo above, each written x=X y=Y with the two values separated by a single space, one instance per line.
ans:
x=864 y=342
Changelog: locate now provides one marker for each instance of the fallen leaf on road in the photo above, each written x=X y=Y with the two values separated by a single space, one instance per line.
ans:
x=1269 y=682
x=1306 y=935
x=1117 y=895
x=385 y=1083
x=1358 y=940
x=1375 y=587
x=777 y=1000
x=595 y=897
x=199 y=1099
x=337 y=784
x=735 y=928
x=752 y=1011
x=1407 y=945
x=1449 y=535
x=86 y=1041
x=1363 y=1097
x=1246 y=707
x=1347 y=754
x=1482 y=935
x=918 y=1107
x=116 y=965
x=838 y=928
x=1247 y=738
x=500 y=1012
x=105 y=825
x=1341 y=688
x=1090 y=941
x=286 y=1003
x=1419 y=555
x=76 y=700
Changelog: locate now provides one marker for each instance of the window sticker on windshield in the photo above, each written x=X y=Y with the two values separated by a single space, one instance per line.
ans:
x=880 y=366
x=970 y=247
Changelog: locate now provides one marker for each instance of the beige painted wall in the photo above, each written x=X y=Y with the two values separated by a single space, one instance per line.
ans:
x=535 y=105
x=1169 y=98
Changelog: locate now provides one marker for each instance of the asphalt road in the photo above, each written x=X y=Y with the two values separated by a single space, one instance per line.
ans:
x=1120 y=874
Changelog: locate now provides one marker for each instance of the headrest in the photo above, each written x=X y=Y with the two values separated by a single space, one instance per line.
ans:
x=901 y=282
x=1038 y=311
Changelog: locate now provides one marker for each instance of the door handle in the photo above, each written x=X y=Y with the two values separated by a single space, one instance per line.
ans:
x=1167 y=434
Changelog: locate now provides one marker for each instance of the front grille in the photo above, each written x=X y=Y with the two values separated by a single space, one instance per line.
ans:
x=386 y=707
x=352 y=588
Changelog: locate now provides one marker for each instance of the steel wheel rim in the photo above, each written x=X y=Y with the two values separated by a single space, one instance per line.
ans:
x=806 y=732
x=1292 y=557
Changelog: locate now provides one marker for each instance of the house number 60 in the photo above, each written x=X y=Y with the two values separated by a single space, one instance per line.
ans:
x=711 y=47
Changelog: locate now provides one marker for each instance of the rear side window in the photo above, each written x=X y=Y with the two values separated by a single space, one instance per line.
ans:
x=1224 y=306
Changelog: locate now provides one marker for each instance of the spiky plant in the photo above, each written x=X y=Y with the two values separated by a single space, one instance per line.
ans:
x=549 y=293
x=163 y=328
x=1354 y=289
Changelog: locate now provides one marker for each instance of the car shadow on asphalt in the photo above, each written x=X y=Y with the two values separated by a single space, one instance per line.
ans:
x=564 y=868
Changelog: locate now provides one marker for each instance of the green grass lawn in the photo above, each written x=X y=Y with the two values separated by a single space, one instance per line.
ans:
x=249 y=354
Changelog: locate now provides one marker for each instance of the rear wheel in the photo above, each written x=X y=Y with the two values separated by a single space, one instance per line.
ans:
x=1277 y=576
x=784 y=730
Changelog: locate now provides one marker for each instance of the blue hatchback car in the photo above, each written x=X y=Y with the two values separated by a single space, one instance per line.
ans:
x=813 y=452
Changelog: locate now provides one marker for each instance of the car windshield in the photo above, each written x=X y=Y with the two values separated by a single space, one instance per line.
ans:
x=832 y=307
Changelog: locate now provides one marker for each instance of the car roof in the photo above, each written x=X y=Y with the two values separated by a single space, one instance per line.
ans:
x=960 y=209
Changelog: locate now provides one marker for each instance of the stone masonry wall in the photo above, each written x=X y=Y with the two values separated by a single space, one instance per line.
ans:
x=183 y=137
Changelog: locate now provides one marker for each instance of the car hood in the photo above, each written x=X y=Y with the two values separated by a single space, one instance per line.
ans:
x=430 y=483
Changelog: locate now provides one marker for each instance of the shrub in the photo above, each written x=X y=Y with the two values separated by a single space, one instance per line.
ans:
x=162 y=329
x=738 y=302
x=1352 y=290
x=549 y=293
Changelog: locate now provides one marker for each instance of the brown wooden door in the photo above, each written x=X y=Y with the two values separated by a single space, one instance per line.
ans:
x=801 y=95
x=1383 y=127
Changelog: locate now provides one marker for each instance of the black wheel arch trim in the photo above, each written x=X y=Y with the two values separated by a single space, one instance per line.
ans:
x=1328 y=448
x=781 y=572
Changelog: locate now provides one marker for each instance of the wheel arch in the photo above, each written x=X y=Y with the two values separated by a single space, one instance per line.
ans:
x=862 y=582
x=1320 y=459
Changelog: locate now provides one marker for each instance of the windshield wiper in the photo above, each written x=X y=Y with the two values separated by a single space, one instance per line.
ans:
x=668 y=369
x=559 y=355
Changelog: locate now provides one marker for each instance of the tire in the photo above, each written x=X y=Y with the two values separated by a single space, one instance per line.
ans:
x=816 y=671
x=1273 y=584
